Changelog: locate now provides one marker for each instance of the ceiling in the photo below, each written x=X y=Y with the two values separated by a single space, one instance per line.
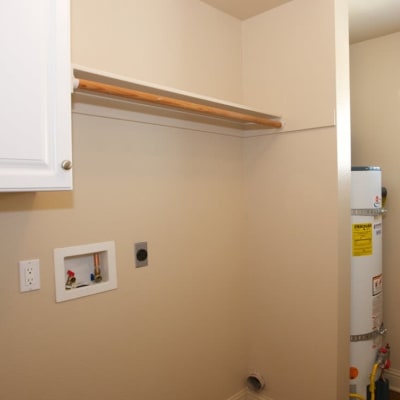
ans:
x=367 y=18
x=244 y=9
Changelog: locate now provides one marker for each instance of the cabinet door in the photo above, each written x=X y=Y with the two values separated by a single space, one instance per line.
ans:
x=35 y=96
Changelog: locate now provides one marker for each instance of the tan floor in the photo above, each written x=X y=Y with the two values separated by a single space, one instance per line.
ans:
x=394 y=396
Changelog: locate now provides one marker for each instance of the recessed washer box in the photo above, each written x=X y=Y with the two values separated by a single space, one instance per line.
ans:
x=84 y=270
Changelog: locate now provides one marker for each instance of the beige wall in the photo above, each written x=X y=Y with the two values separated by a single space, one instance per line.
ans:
x=170 y=329
x=303 y=60
x=293 y=263
x=375 y=105
x=298 y=238
x=184 y=44
x=244 y=259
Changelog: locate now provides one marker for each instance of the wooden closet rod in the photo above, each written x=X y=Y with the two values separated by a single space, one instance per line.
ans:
x=104 y=88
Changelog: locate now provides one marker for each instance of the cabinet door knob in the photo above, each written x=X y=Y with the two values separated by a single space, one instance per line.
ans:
x=66 y=164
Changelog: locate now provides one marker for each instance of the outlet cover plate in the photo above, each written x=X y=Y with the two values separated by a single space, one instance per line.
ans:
x=29 y=275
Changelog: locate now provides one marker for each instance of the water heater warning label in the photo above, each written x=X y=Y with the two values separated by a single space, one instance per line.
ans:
x=362 y=239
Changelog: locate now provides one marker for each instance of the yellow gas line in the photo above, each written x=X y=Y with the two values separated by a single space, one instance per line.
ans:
x=356 y=396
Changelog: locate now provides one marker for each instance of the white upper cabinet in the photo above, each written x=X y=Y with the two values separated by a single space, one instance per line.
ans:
x=35 y=112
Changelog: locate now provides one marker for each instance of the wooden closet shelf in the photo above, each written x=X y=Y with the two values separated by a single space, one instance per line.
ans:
x=106 y=84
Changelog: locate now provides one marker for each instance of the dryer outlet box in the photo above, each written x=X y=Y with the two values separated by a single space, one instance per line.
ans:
x=141 y=255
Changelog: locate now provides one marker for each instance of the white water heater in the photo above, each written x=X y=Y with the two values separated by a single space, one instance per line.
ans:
x=366 y=326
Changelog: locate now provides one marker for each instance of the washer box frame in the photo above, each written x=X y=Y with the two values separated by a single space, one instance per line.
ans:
x=79 y=258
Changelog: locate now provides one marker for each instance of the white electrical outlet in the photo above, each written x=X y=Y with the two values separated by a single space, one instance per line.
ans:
x=29 y=275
